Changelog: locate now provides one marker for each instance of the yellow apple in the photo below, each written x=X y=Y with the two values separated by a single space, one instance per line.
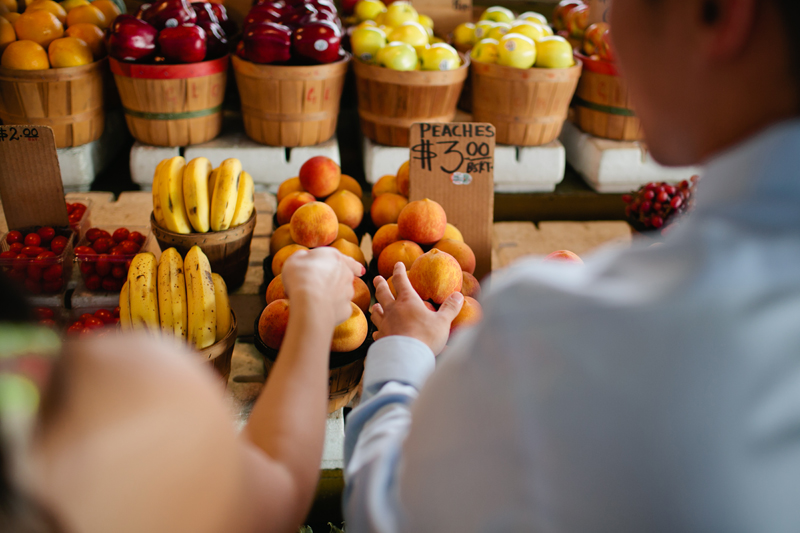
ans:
x=554 y=52
x=533 y=16
x=485 y=51
x=436 y=40
x=368 y=9
x=482 y=29
x=440 y=56
x=426 y=21
x=397 y=56
x=412 y=33
x=516 y=51
x=498 y=14
x=400 y=12
x=366 y=41
x=464 y=35
x=380 y=20
x=528 y=29
x=499 y=29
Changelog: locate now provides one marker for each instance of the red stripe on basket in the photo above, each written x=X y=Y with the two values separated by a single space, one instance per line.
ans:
x=598 y=66
x=168 y=72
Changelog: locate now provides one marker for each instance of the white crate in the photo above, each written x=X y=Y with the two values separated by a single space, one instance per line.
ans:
x=81 y=164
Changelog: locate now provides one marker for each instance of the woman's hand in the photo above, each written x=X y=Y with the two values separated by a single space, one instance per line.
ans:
x=408 y=316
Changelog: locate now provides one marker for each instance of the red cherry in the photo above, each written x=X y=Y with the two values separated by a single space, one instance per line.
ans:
x=20 y=264
x=79 y=207
x=93 y=282
x=75 y=329
x=102 y=245
x=47 y=322
x=43 y=312
x=663 y=197
x=58 y=244
x=33 y=239
x=112 y=284
x=70 y=208
x=93 y=234
x=657 y=222
x=93 y=323
x=14 y=236
x=16 y=247
x=136 y=237
x=86 y=331
x=649 y=195
x=46 y=233
x=74 y=219
x=104 y=315
x=676 y=202
x=34 y=272
x=120 y=235
x=84 y=250
x=646 y=207
x=119 y=272
x=53 y=273
x=103 y=265
x=33 y=286
x=115 y=312
x=8 y=254
x=32 y=251
x=129 y=247
x=84 y=316
x=87 y=269
x=627 y=198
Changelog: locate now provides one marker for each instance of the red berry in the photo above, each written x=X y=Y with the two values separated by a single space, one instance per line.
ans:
x=120 y=235
x=70 y=208
x=657 y=207
x=87 y=269
x=103 y=265
x=646 y=207
x=46 y=233
x=47 y=322
x=53 y=285
x=8 y=254
x=79 y=207
x=16 y=247
x=93 y=282
x=112 y=284
x=32 y=251
x=93 y=234
x=84 y=250
x=20 y=264
x=33 y=286
x=663 y=197
x=102 y=245
x=119 y=272
x=129 y=247
x=33 y=239
x=53 y=273
x=648 y=195
x=58 y=244
x=136 y=237
x=93 y=322
x=670 y=189
x=73 y=219
x=676 y=202
x=86 y=331
x=75 y=328
x=657 y=222
x=627 y=198
x=34 y=272
x=43 y=312
x=115 y=312
x=104 y=315
x=14 y=236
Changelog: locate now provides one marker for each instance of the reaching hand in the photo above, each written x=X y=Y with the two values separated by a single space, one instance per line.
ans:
x=408 y=316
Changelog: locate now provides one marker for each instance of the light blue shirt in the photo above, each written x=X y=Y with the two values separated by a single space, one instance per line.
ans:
x=651 y=390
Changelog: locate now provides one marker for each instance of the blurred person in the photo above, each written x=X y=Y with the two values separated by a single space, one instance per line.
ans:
x=132 y=433
x=653 y=389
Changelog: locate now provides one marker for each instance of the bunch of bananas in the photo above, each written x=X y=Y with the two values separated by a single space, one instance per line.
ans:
x=176 y=297
x=195 y=197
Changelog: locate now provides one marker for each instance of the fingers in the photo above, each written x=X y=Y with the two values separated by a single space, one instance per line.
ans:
x=400 y=281
x=353 y=265
x=382 y=292
x=451 y=307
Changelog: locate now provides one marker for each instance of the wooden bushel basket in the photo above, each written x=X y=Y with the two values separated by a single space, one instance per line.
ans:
x=172 y=105
x=290 y=105
x=219 y=354
x=228 y=251
x=602 y=104
x=69 y=100
x=528 y=107
x=390 y=101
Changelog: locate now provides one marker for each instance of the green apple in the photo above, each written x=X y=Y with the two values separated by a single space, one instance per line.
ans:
x=400 y=12
x=533 y=16
x=366 y=41
x=412 y=33
x=528 y=29
x=369 y=9
x=397 y=56
x=482 y=29
x=440 y=56
x=498 y=14
x=516 y=51
x=485 y=51
x=464 y=35
x=554 y=52
x=499 y=29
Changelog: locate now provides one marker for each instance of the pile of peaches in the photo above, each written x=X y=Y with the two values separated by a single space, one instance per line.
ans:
x=49 y=34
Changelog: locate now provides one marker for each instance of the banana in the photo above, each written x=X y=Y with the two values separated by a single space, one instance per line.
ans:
x=172 y=294
x=200 y=298
x=143 y=298
x=245 y=200
x=226 y=190
x=124 y=308
x=170 y=195
x=212 y=182
x=195 y=193
x=223 y=307
x=158 y=214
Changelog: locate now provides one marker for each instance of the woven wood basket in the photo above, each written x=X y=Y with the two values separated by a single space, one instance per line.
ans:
x=172 y=105
x=528 y=107
x=69 y=100
x=290 y=106
x=220 y=353
x=390 y=101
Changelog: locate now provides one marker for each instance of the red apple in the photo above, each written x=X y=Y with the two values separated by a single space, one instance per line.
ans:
x=164 y=12
x=323 y=5
x=576 y=20
x=228 y=24
x=262 y=13
x=299 y=15
x=320 y=41
x=267 y=42
x=142 y=8
x=204 y=12
x=605 y=50
x=131 y=39
x=561 y=11
x=216 y=40
x=183 y=44
x=349 y=6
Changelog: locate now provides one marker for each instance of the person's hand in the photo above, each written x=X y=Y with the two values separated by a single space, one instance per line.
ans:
x=408 y=316
x=321 y=279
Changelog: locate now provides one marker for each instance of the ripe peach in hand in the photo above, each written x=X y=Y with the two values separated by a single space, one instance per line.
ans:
x=423 y=222
x=564 y=255
x=451 y=232
x=276 y=290
x=386 y=208
x=470 y=286
x=289 y=186
x=283 y=254
x=351 y=333
x=69 y=52
x=314 y=224
x=291 y=203
x=386 y=184
x=435 y=276
x=347 y=206
x=402 y=179
x=351 y=250
x=346 y=233
x=272 y=323
x=25 y=55
x=471 y=313
x=385 y=236
x=405 y=252
x=280 y=237
x=461 y=251
x=91 y=35
x=361 y=296
x=41 y=27
x=320 y=176
x=348 y=183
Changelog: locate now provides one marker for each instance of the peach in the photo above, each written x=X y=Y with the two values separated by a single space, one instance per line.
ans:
x=320 y=176
x=276 y=290
x=361 y=296
x=289 y=186
x=272 y=323
x=435 y=276
x=351 y=333
x=313 y=225
x=429 y=306
x=423 y=222
x=452 y=232
x=280 y=237
x=470 y=286
x=461 y=251
x=348 y=183
x=564 y=255
x=291 y=203
x=402 y=179
x=283 y=254
x=346 y=233
x=390 y=283
x=386 y=184
x=350 y=250
x=386 y=208
x=405 y=252
x=347 y=206
x=471 y=313
x=385 y=236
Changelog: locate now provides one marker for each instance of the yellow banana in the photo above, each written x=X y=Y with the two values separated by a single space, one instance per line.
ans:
x=245 y=200
x=223 y=307
x=170 y=195
x=200 y=298
x=212 y=182
x=158 y=214
x=143 y=298
x=195 y=193
x=124 y=308
x=172 y=294
x=226 y=190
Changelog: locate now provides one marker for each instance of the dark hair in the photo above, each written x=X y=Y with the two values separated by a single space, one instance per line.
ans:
x=790 y=13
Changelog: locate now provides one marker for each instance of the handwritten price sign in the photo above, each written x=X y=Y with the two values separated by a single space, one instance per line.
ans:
x=18 y=133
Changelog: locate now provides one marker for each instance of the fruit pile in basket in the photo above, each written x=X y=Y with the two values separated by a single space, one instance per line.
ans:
x=571 y=18
x=50 y=34
x=197 y=198
x=292 y=33
x=172 y=31
x=36 y=259
x=176 y=297
x=597 y=42
x=100 y=322
x=655 y=206
x=398 y=38
x=105 y=258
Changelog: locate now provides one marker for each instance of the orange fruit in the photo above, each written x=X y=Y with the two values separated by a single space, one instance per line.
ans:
x=68 y=5
x=109 y=9
x=91 y=35
x=11 y=17
x=25 y=55
x=69 y=52
x=52 y=7
x=89 y=14
x=41 y=27
x=7 y=34
x=9 y=5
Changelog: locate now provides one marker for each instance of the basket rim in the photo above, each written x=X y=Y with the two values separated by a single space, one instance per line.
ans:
x=414 y=77
x=194 y=235
x=597 y=66
x=223 y=345
x=238 y=62
x=52 y=74
x=505 y=72
x=169 y=72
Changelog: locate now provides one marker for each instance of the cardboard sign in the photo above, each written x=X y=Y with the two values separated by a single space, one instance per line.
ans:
x=30 y=177
x=446 y=14
x=598 y=10
x=453 y=164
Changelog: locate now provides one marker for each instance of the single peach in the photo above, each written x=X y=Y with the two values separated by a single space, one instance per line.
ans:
x=564 y=255
x=347 y=206
x=348 y=183
x=470 y=286
x=314 y=224
x=429 y=305
x=289 y=186
x=283 y=254
x=405 y=252
x=320 y=176
x=385 y=236
x=273 y=322
x=423 y=222
x=402 y=179
x=69 y=52
x=346 y=233
x=48 y=5
x=361 y=296
x=276 y=290
x=452 y=232
x=386 y=184
x=41 y=27
x=350 y=250
x=461 y=251
x=280 y=237
x=291 y=203
x=91 y=35
x=471 y=313
x=351 y=333
x=386 y=208
x=90 y=14
x=435 y=276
